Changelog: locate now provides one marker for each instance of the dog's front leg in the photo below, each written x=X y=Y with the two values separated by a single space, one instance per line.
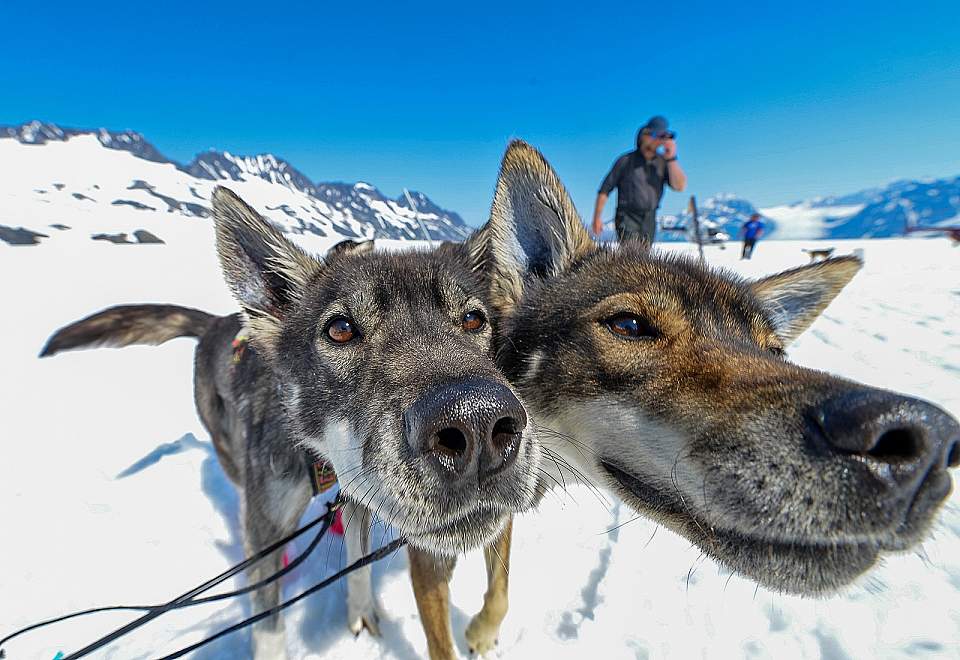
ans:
x=431 y=586
x=262 y=526
x=362 y=610
x=485 y=626
x=269 y=640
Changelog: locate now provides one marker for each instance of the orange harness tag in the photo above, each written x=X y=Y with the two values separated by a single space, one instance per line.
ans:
x=322 y=476
x=239 y=345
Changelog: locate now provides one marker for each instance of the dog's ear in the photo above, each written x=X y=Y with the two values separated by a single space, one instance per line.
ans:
x=265 y=271
x=533 y=229
x=350 y=246
x=794 y=298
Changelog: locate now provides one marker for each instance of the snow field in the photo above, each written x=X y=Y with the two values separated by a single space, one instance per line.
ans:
x=110 y=493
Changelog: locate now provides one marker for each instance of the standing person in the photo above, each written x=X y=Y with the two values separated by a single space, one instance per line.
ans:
x=752 y=231
x=638 y=177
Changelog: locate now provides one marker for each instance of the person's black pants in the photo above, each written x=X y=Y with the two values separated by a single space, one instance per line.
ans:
x=636 y=225
x=748 y=248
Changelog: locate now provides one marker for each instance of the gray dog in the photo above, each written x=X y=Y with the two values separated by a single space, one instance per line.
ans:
x=379 y=364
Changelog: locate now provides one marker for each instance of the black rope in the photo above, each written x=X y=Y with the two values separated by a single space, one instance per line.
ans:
x=360 y=563
x=189 y=599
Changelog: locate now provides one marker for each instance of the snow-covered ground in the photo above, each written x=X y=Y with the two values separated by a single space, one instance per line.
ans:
x=110 y=492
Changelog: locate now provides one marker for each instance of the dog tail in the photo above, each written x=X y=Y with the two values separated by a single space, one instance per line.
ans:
x=126 y=325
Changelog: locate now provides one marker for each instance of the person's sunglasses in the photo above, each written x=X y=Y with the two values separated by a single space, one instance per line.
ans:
x=664 y=135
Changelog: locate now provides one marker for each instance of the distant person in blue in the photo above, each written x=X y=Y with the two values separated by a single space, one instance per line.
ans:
x=752 y=231
x=639 y=177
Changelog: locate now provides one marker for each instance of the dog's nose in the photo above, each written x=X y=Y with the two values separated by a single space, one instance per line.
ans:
x=471 y=427
x=904 y=437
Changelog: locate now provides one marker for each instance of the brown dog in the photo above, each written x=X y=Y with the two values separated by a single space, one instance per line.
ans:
x=668 y=383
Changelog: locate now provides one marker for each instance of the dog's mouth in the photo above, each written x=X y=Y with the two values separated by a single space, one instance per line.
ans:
x=802 y=567
x=450 y=530
x=450 y=522
x=467 y=531
x=470 y=520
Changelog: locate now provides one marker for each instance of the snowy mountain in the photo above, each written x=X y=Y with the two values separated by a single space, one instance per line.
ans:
x=112 y=184
x=903 y=204
x=116 y=182
x=872 y=213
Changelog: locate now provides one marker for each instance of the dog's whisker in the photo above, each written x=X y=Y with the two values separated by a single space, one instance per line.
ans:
x=356 y=509
x=372 y=516
x=563 y=436
x=693 y=569
x=656 y=528
x=376 y=514
x=583 y=478
x=503 y=564
x=703 y=488
x=345 y=488
x=385 y=526
x=727 y=583
x=561 y=463
x=623 y=524
x=683 y=502
x=552 y=434
x=559 y=460
x=559 y=471
x=552 y=478
x=544 y=489
x=349 y=470
x=390 y=558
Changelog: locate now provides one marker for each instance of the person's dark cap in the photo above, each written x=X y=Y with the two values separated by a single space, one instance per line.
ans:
x=656 y=125
x=755 y=216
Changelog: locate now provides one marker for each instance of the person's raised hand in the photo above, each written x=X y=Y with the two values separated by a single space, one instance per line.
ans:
x=670 y=148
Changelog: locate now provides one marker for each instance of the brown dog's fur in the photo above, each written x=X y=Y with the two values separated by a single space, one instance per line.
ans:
x=666 y=381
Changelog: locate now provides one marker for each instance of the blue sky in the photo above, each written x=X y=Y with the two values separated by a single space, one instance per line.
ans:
x=775 y=103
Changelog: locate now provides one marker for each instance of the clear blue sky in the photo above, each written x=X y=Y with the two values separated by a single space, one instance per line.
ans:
x=775 y=103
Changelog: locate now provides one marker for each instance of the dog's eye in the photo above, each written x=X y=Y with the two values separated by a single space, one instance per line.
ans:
x=474 y=321
x=630 y=326
x=777 y=351
x=341 y=330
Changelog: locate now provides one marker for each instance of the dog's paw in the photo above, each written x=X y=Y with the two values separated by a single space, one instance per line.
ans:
x=481 y=635
x=364 y=618
x=269 y=644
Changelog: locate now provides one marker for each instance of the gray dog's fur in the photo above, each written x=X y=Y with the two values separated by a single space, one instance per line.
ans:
x=359 y=404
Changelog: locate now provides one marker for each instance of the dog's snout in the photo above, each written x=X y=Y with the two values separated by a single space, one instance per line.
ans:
x=904 y=436
x=466 y=428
